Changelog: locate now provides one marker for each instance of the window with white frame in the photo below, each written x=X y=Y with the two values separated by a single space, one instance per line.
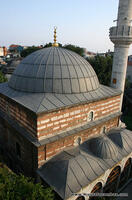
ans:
x=78 y=141
x=91 y=116
x=104 y=129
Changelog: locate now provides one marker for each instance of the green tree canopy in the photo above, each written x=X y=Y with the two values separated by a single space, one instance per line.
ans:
x=103 y=68
x=71 y=47
x=2 y=78
x=18 y=187
x=29 y=50
x=74 y=48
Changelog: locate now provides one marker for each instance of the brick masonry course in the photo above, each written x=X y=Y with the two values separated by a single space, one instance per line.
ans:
x=47 y=151
x=66 y=119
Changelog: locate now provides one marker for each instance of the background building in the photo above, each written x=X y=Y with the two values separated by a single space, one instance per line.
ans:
x=3 y=51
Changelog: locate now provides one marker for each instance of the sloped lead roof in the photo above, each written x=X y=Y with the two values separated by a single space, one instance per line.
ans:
x=71 y=170
x=54 y=70
x=45 y=102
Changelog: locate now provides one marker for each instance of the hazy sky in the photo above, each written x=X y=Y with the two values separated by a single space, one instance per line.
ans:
x=84 y=23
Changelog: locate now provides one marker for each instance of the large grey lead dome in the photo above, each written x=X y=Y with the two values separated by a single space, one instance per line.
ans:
x=54 y=70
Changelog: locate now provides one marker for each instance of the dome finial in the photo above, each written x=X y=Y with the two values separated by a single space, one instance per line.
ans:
x=55 y=44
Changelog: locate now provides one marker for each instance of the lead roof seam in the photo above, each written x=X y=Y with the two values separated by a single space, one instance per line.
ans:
x=39 y=65
x=39 y=55
x=68 y=97
x=60 y=69
x=113 y=147
x=75 y=177
x=70 y=190
x=82 y=169
x=88 y=69
x=44 y=85
x=65 y=97
x=102 y=92
x=89 y=164
x=53 y=70
x=46 y=78
x=59 y=99
x=107 y=90
x=82 y=73
x=128 y=135
x=90 y=92
x=127 y=142
x=97 y=93
x=107 y=147
x=68 y=71
x=51 y=101
x=98 y=162
x=74 y=69
x=46 y=67
x=38 y=68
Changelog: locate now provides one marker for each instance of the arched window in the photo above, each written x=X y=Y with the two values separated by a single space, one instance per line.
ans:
x=125 y=175
x=7 y=109
x=78 y=141
x=104 y=129
x=91 y=116
x=111 y=183
x=96 y=189
x=80 y=198
x=18 y=150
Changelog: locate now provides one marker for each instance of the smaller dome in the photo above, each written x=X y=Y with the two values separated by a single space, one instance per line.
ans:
x=103 y=147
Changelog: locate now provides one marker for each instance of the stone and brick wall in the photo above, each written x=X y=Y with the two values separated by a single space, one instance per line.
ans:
x=47 y=151
x=48 y=124
x=65 y=119
x=27 y=163
x=24 y=117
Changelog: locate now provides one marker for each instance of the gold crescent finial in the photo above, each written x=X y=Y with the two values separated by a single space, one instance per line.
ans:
x=55 y=44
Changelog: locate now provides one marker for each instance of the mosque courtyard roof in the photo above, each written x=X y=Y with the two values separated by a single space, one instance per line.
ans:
x=75 y=168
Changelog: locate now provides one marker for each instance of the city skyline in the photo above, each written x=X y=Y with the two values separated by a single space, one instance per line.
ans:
x=82 y=23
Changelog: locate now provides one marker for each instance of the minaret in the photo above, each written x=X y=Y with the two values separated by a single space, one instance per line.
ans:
x=121 y=36
x=55 y=44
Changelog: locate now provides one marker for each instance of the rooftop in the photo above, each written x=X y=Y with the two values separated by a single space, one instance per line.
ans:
x=73 y=169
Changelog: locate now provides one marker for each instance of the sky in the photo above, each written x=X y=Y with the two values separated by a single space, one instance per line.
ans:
x=84 y=23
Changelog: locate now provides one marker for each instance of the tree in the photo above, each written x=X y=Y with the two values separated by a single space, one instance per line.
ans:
x=18 y=187
x=74 y=48
x=29 y=50
x=2 y=78
x=50 y=45
x=71 y=47
x=103 y=68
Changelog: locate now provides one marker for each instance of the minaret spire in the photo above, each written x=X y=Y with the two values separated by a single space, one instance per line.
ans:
x=55 y=44
x=121 y=36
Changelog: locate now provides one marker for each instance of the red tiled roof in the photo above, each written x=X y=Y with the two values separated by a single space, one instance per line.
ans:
x=129 y=63
x=14 y=45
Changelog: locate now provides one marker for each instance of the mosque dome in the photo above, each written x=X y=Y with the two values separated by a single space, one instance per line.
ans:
x=54 y=70
x=103 y=147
